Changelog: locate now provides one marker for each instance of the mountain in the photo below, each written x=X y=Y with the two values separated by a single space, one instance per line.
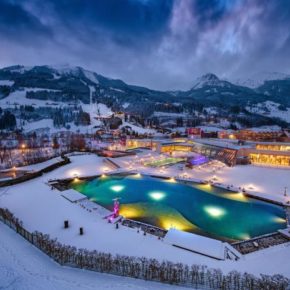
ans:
x=210 y=90
x=65 y=84
x=209 y=80
x=259 y=79
x=66 y=87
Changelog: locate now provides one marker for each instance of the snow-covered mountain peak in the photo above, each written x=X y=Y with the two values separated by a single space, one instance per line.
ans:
x=209 y=77
x=209 y=80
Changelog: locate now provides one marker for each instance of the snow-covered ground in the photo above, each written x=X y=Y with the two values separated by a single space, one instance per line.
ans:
x=139 y=129
x=270 y=109
x=6 y=83
x=23 y=267
x=19 y=98
x=41 y=165
x=43 y=209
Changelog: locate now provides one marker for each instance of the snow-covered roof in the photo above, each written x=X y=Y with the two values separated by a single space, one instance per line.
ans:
x=72 y=195
x=224 y=143
x=202 y=245
x=265 y=129
x=210 y=128
x=199 y=244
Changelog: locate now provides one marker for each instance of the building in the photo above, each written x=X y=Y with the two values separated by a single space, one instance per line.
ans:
x=254 y=134
x=271 y=153
x=228 y=151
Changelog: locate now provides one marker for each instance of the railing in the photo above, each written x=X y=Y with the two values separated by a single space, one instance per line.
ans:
x=195 y=276
x=259 y=243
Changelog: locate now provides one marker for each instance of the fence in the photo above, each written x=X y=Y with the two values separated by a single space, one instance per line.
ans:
x=196 y=276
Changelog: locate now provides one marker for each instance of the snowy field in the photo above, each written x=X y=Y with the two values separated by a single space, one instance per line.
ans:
x=43 y=209
x=23 y=267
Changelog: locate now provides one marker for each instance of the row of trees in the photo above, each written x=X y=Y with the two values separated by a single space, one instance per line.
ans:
x=143 y=268
x=7 y=120
x=62 y=116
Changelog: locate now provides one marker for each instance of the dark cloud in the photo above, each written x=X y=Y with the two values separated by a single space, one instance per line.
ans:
x=161 y=44
x=18 y=24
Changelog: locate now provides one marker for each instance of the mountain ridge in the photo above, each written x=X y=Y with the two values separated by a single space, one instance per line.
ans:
x=73 y=82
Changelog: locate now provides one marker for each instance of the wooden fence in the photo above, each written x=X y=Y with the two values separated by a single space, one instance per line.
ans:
x=195 y=276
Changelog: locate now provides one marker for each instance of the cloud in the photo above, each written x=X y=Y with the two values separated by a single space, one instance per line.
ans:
x=161 y=44
x=16 y=24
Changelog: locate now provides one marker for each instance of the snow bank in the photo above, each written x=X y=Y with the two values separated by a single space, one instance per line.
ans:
x=24 y=267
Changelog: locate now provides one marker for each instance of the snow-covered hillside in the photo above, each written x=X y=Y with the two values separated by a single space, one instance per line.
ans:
x=270 y=109
x=258 y=79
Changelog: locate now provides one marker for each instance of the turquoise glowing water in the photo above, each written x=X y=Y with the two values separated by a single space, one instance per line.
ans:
x=194 y=208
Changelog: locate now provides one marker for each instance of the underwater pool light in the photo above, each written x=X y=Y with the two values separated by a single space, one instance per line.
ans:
x=214 y=211
x=157 y=195
x=117 y=188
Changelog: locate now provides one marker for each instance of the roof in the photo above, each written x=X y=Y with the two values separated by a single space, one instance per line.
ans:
x=199 y=244
x=210 y=129
x=73 y=195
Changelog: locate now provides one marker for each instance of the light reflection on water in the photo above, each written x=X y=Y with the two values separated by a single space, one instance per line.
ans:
x=202 y=209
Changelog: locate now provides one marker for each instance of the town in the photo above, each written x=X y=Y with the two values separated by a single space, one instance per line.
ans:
x=144 y=145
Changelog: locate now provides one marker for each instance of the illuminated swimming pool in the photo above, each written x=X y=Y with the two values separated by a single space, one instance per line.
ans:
x=164 y=162
x=201 y=209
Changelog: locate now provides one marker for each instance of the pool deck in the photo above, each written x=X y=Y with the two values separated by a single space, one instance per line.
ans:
x=266 y=239
x=43 y=209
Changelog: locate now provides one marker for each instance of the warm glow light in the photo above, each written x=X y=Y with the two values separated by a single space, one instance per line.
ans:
x=245 y=236
x=237 y=196
x=117 y=188
x=103 y=175
x=214 y=211
x=169 y=224
x=171 y=180
x=157 y=195
x=75 y=174
x=214 y=178
x=279 y=220
x=129 y=212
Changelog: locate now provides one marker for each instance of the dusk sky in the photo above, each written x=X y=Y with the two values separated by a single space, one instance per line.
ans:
x=161 y=44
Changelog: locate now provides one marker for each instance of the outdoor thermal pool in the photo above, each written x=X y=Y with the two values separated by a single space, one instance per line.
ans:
x=195 y=208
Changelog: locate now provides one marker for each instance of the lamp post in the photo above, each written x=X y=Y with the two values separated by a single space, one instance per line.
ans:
x=285 y=191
